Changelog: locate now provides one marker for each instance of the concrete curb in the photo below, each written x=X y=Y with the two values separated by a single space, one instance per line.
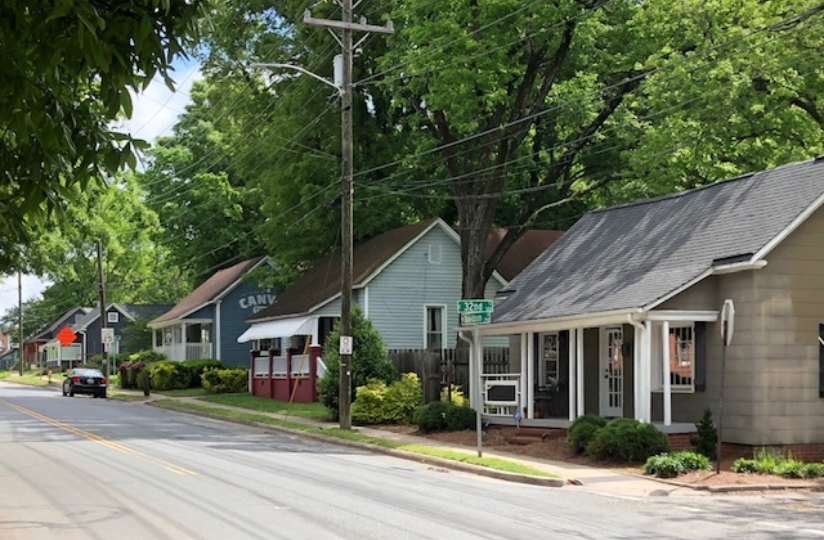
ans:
x=732 y=488
x=411 y=456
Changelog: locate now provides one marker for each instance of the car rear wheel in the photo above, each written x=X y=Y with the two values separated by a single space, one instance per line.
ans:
x=71 y=393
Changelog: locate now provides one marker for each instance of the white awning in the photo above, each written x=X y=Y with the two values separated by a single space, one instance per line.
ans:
x=296 y=326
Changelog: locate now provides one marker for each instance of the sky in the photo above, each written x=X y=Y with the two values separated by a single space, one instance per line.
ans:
x=155 y=112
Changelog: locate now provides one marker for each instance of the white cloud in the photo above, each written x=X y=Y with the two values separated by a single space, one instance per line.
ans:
x=33 y=286
x=156 y=109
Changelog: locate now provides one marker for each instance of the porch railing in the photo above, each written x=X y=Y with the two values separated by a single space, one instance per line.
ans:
x=186 y=351
x=279 y=367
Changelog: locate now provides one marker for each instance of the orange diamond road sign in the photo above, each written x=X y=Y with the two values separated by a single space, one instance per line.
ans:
x=66 y=337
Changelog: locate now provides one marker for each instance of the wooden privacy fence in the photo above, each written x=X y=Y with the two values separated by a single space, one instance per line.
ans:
x=433 y=367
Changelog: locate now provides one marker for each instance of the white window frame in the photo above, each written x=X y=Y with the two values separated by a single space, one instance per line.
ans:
x=273 y=343
x=543 y=361
x=113 y=317
x=658 y=370
x=426 y=309
x=435 y=254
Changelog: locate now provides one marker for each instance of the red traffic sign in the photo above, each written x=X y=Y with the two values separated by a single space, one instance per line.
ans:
x=66 y=337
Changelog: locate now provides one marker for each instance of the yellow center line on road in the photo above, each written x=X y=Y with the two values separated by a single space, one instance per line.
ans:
x=101 y=440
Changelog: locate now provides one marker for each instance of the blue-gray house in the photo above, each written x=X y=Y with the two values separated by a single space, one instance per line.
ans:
x=207 y=323
x=406 y=281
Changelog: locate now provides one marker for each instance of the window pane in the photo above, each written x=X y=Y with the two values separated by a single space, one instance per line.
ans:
x=682 y=356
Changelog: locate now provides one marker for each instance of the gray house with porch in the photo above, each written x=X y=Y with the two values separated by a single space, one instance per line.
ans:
x=621 y=316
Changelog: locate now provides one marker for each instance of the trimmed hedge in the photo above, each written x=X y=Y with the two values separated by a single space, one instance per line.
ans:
x=677 y=463
x=582 y=431
x=443 y=415
x=197 y=367
x=225 y=381
x=169 y=375
x=626 y=439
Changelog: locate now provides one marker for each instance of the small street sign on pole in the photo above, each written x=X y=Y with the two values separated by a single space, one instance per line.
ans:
x=107 y=336
x=473 y=312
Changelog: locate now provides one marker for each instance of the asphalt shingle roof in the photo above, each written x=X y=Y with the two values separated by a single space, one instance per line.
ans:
x=631 y=255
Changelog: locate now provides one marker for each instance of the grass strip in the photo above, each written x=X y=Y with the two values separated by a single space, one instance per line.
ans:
x=488 y=462
x=185 y=392
x=315 y=411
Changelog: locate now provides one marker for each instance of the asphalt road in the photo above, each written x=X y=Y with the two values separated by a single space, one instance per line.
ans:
x=99 y=469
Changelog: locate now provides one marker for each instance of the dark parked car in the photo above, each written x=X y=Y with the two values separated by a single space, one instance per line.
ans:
x=85 y=381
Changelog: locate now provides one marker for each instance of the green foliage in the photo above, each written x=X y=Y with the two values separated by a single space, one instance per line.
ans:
x=197 y=367
x=626 y=439
x=671 y=465
x=431 y=417
x=369 y=360
x=137 y=336
x=772 y=461
x=402 y=398
x=148 y=356
x=169 y=376
x=444 y=415
x=378 y=403
x=225 y=381
x=69 y=67
x=458 y=397
x=582 y=431
x=706 y=439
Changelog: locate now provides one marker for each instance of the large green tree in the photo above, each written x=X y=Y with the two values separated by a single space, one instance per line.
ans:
x=68 y=66
x=518 y=107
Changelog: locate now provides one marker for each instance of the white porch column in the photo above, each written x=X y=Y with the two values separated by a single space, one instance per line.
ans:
x=524 y=367
x=665 y=363
x=154 y=340
x=530 y=375
x=183 y=341
x=579 y=357
x=573 y=379
x=316 y=332
x=646 y=371
x=637 y=357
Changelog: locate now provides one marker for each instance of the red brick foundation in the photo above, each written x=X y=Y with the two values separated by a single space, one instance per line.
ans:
x=680 y=441
x=808 y=453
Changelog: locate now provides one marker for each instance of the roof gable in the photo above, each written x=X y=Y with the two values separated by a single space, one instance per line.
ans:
x=631 y=256
x=211 y=290
x=66 y=319
x=322 y=282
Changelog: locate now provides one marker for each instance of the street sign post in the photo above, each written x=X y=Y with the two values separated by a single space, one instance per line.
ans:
x=475 y=318
x=475 y=306
x=473 y=312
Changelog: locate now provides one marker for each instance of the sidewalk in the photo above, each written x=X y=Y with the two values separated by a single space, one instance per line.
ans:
x=577 y=476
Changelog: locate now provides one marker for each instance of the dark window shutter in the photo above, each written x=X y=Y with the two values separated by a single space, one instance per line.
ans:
x=700 y=380
x=821 y=360
x=563 y=358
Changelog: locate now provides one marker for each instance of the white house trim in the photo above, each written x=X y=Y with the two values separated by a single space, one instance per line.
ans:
x=216 y=330
x=561 y=323
x=682 y=316
x=444 y=335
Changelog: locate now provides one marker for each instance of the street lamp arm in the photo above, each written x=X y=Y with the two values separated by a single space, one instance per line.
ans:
x=300 y=70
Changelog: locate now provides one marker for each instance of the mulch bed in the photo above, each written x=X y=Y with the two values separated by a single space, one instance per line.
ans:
x=555 y=450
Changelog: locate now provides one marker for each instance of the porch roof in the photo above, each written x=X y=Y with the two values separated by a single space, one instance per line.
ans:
x=633 y=256
x=280 y=328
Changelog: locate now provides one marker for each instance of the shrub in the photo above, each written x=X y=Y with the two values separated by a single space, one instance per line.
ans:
x=225 y=381
x=814 y=470
x=458 y=397
x=790 y=468
x=197 y=367
x=169 y=375
x=431 y=417
x=706 y=439
x=626 y=439
x=369 y=360
x=129 y=374
x=402 y=397
x=742 y=465
x=147 y=356
x=582 y=431
x=671 y=465
x=459 y=417
x=369 y=406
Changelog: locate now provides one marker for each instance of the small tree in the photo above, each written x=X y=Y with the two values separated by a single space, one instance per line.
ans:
x=369 y=360
x=706 y=439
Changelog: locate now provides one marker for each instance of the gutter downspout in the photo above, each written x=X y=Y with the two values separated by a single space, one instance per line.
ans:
x=475 y=383
x=636 y=366
x=217 y=330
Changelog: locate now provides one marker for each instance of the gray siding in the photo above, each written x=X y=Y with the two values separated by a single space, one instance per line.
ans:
x=241 y=303
x=398 y=295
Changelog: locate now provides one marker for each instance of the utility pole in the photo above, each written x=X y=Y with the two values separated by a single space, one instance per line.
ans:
x=347 y=192
x=20 y=319
x=102 y=291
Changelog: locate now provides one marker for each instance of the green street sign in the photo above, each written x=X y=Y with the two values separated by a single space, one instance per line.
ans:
x=476 y=318
x=117 y=337
x=474 y=306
